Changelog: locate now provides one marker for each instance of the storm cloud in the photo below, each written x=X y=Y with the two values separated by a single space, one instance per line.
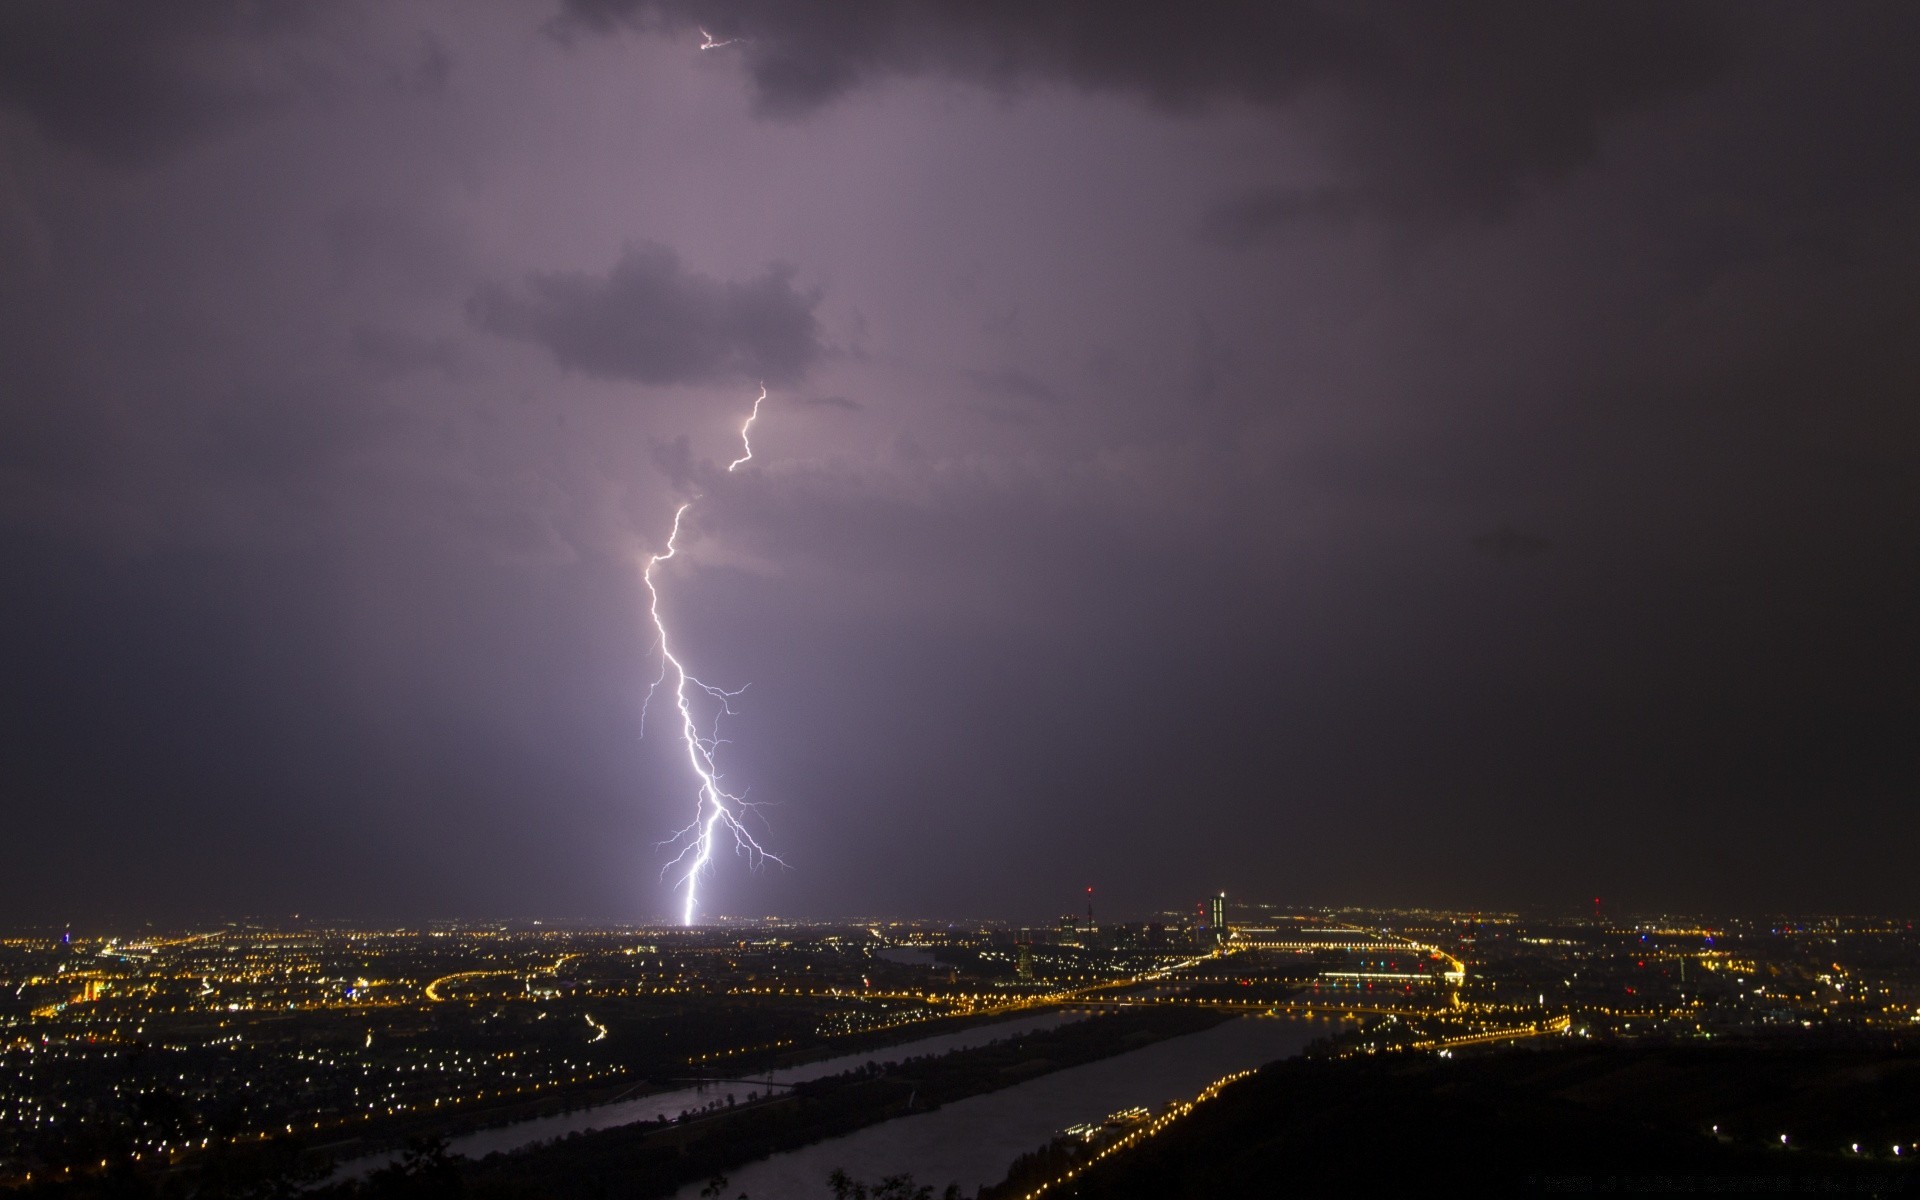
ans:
x=130 y=83
x=1438 y=454
x=1465 y=104
x=651 y=320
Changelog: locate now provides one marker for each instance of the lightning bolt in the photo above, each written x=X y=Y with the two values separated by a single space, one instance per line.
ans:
x=746 y=447
x=707 y=42
x=717 y=812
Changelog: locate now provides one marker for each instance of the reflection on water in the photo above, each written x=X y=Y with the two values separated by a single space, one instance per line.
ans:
x=972 y=1142
x=671 y=1104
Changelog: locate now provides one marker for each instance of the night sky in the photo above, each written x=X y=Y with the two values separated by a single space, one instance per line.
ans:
x=1342 y=453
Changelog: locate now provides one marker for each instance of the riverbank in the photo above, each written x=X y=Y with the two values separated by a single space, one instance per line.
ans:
x=972 y=1142
x=1740 y=1120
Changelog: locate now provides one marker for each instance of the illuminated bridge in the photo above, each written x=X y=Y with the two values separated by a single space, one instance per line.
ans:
x=1353 y=941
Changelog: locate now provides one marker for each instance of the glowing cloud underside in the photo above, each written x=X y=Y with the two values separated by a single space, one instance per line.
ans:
x=717 y=812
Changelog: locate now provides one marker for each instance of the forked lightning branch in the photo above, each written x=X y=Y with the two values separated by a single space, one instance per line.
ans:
x=700 y=707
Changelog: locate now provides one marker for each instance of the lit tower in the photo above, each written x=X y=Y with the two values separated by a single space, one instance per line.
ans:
x=1217 y=917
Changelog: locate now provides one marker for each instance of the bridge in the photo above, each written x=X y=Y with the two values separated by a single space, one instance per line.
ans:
x=1512 y=1033
x=1253 y=944
x=1273 y=939
x=1266 y=1008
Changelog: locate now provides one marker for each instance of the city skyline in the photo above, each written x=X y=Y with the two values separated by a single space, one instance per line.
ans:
x=570 y=1057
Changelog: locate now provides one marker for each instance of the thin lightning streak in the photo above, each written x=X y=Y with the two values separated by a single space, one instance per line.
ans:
x=716 y=809
x=746 y=447
x=707 y=42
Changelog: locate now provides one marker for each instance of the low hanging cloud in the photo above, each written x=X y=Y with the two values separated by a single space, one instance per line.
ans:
x=651 y=320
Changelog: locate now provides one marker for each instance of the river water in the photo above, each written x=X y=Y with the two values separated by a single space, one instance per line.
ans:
x=656 y=1105
x=972 y=1142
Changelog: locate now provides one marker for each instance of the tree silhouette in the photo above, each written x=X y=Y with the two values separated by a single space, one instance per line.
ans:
x=892 y=1187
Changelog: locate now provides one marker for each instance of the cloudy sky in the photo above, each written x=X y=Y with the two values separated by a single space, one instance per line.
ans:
x=1373 y=452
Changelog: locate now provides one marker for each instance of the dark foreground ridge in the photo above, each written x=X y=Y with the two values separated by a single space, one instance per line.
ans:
x=1593 y=1119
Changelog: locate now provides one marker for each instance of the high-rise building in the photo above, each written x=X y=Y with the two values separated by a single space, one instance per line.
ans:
x=1217 y=917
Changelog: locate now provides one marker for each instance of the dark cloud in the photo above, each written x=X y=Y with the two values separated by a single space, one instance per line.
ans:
x=1007 y=383
x=391 y=246
x=1455 y=105
x=130 y=82
x=840 y=402
x=675 y=461
x=651 y=320
x=397 y=351
x=1262 y=214
x=803 y=56
x=427 y=75
x=1508 y=544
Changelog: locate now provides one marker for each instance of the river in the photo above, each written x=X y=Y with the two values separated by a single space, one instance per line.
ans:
x=652 y=1107
x=972 y=1142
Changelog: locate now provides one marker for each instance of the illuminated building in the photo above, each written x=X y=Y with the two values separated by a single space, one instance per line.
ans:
x=1217 y=917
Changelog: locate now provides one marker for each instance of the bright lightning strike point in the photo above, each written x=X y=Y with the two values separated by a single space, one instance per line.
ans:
x=716 y=811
